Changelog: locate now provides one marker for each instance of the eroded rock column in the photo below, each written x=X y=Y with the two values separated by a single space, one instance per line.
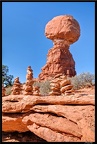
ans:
x=63 y=31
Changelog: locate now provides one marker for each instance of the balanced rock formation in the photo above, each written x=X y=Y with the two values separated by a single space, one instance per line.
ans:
x=28 y=86
x=16 y=88
x=63 y=30
x=3 y=90
x=36 y=91
x=54 y=119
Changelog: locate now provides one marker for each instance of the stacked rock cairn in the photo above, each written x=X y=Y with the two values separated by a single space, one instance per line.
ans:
x=3 y=90
x=66 y=87
x=36 y=91
x=28 y=86
x=61 y=85
x=55 y=87
x=16 y=89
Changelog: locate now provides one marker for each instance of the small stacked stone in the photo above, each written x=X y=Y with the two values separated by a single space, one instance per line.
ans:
x=55 y=87
x=3 y=90
x=36 y=91
x=28 y=86
x=65 y=87
x=16 y=89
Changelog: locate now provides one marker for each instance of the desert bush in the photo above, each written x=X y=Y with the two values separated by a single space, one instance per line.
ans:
x=83 y=80
x=44 y=87
x=8 y=90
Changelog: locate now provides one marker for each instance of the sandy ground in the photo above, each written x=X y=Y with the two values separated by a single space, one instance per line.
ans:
x=86 y=91
x=29 y=136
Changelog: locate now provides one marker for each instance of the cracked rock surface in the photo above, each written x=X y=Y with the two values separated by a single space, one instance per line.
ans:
x=52 y=118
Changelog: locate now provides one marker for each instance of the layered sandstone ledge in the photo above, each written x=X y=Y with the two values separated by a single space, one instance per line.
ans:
x=52 y=118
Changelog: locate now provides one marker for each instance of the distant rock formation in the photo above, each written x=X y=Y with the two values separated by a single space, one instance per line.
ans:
x=63 y=31
x=16 y=88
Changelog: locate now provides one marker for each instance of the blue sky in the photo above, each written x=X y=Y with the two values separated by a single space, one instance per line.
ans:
x=24 y=42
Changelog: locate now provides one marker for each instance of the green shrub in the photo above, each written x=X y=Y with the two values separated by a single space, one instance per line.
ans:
x=8 y=90
x=83 y=80
x=44 y=87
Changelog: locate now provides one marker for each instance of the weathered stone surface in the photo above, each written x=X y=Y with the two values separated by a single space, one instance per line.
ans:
x=13 y=122
x=16 y=88
x=61 y=85
x=53 y=118
x=28 y=86
x=63 y=30
x=65 y=82
x=50 y=135
x=36 y=91
x=68 y=87
x=56 y=123
x=55 y=88
x=21 y=103
x=54 y=93
x=63 y=27
x=73 y=113
x=87 y=130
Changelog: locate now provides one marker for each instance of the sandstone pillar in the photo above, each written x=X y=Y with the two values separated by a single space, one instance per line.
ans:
x=63 y=31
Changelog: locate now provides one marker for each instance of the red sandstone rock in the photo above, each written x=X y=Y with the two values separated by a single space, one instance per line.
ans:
x=50 y=135
x=66 y=110
x=65 y=82
x=19 y=103
x=13 y=122
x=55 y=88
x=36 y=91
x=61 y=85
x=57 y=119
x=28 y=86
x=63 y=30
x=56 y=123
x=68 y=87
x=16 y=88
x=63 y=27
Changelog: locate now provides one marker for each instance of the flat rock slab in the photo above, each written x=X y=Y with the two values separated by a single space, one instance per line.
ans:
x=50 y=135
x=56 y=123
x=22 y=104
x=73 y=113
